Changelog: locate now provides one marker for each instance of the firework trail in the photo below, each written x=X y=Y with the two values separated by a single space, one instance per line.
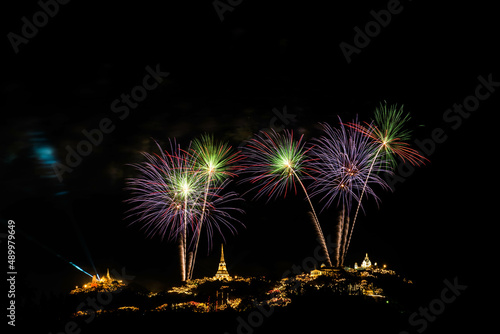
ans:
x=345 y=231
x=189 y=260
x=340 y=161
x=182 y=251
x=219 y=210
x=340 y=232
x=215 y=162
x=274 y=163
x=390 y=137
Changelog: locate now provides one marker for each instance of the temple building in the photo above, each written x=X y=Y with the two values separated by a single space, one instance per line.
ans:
x=324 y=271
x=105 y=282
x=365 y=264
x=222 y=271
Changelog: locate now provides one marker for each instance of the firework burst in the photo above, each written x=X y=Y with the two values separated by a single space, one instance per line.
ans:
x=275 y=163
x=341 y=161
x=161 y=193
x=214 y=159
x=389 y=134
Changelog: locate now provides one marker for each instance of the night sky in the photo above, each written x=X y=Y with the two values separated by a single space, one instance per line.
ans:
x=226 y=78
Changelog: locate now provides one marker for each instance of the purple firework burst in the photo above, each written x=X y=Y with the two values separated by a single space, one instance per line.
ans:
x=341 y=161
x=168 y=195
x=164 y=193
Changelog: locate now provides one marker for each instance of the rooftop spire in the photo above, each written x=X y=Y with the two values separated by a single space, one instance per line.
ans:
x=366 y=262
x=222 y=271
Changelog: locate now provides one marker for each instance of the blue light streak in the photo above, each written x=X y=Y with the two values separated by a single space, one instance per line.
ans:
x=74 y=265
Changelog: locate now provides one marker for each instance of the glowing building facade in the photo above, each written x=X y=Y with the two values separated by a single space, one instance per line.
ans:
x=222 y=272
x=323 y=271
x=366 y=262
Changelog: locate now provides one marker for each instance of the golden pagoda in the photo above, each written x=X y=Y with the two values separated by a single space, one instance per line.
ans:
x=366 y=262
x=222 y=271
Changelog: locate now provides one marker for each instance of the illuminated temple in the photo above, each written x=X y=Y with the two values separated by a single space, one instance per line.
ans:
x=365 y=264
x=222 y=270
x=103 y=283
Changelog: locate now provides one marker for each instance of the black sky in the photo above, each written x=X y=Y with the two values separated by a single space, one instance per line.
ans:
x=226 y=78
